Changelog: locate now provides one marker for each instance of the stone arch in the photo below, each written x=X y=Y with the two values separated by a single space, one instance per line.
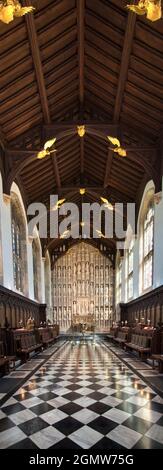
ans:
x=19 y=241
x=147 y=204
x=148 y=195
x=84 y=293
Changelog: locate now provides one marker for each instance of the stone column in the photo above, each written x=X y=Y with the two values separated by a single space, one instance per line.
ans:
x=123 y=279
x=7 y=255
x=43 y=280
x=136 y=279
x=30 y=267
x=158 y=239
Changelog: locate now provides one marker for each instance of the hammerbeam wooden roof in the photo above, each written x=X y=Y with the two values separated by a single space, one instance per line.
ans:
x=75 y=62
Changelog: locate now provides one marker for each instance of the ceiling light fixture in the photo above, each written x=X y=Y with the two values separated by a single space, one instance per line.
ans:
x=150 y=8
x=10 y=9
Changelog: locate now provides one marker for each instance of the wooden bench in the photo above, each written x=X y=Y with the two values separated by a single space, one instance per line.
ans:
x=112 y=334
x=4 y=365
x=140 y=343
x=46 y=336
x=158 y=358
x=121 y=337
x=26 y=343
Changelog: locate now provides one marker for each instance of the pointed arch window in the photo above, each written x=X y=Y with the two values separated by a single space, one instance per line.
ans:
x=17 y=255
x=148 y=235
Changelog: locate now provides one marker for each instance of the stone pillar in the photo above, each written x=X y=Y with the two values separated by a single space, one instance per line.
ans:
x=136 y=268
x=7 y=255
x=43 y=280
x=158 y=241
x=30 y=268
x=123 y=279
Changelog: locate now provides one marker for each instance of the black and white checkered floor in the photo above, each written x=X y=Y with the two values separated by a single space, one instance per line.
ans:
x=82 y=397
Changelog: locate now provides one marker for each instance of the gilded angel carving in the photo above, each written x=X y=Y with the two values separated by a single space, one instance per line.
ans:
x=47 y=149
x=10 y=9
x=117 y=146
x=150 y=8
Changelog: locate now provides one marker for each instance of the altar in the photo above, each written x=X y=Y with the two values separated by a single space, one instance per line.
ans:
x=83 y=317
x=83 y=306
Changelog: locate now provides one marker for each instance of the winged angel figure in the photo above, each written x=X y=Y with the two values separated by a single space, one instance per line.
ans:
x=150 y=8
x=10 y=9
x=117 y=146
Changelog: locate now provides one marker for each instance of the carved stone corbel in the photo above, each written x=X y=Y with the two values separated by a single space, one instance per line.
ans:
x=158 y=197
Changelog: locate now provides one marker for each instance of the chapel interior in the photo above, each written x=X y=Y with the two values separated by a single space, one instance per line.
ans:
x=81 y=304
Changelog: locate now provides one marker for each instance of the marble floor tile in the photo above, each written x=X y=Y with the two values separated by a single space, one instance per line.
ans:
x=118 y=416
x=10 y=437
x=22 y=416
x=124 y=436
x=85 y=416
x=156 y=433
x=85 y=437
x=47 y=437
x=148 y=415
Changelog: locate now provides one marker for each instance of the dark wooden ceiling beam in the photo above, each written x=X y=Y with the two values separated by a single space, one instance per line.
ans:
x=81 y=37
x=55 y=169
x=120 y=196
x=126 y=53
x=127 y=191
x=2 y=140
x=108 y=168
x=106 y=241
x=72 y=126
x=96 y=192
x=33 y=41
x=82 y=156
x=127 y=47
x=69 y=128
